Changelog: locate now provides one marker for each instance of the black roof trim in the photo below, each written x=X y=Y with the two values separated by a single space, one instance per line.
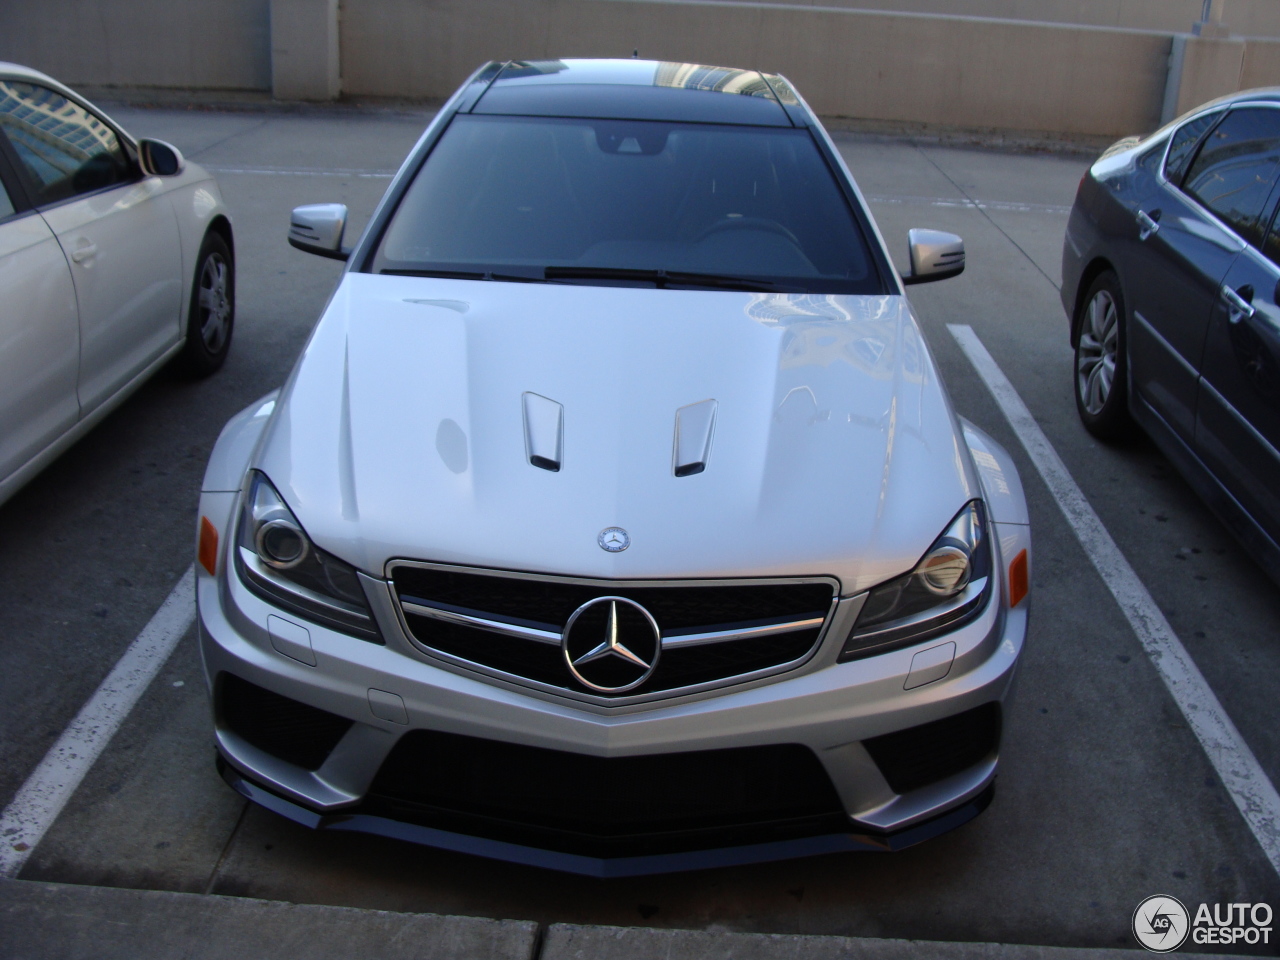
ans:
x=631 y=102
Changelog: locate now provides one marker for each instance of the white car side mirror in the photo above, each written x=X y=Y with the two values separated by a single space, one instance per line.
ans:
x=318 y=228
x=159 y=159
x=934 y=256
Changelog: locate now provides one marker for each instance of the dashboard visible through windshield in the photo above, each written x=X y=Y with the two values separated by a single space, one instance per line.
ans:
x=629 y=202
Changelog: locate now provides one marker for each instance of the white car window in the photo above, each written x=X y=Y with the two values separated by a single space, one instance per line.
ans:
x=65 y=149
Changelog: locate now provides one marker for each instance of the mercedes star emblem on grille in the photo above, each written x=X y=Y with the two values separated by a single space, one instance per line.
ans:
x=611 y=644
x=614 y=539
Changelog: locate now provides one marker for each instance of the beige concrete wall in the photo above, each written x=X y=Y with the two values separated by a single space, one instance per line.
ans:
x=1210 y=68
x=1244 y=17
x=1261 y=66
x=304 y=50
x=210 y=44
x=953 y=71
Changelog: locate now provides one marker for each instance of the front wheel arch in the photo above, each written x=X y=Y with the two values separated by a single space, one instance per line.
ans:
x=203 y=352
x=1102 y=397
x=1096 y=267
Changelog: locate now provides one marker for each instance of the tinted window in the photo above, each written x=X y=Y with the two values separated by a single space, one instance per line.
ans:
x=1236 y=167
x=1183 y=146
x=64 y=148
x=6 y=205
x=530 y=193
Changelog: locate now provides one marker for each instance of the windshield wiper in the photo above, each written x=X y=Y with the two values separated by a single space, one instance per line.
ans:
x=669 y=278
x=659 y=278
x=462 y=274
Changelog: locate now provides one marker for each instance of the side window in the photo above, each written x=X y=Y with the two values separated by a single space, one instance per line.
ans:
x=6 y=205
x=64 y=148
x=1236 y=167
x=1183 y=145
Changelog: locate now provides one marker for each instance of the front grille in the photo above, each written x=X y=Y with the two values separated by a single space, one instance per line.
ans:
x=286 y=729
x=596 y=806
x=919 y=756
x=547 y=604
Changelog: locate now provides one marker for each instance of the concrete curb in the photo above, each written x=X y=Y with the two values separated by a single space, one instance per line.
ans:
x=568 y=942
x=59 y=921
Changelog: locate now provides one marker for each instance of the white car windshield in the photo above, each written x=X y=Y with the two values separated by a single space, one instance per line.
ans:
x=632 y=202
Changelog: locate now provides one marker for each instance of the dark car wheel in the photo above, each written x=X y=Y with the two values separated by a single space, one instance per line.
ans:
x=211 y=319
x=1101 y=374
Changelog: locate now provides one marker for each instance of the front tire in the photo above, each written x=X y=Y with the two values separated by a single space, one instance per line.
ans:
x=211 y=317
x=1101 y=361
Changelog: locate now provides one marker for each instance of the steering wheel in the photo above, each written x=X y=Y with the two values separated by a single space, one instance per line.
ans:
x=762 y=224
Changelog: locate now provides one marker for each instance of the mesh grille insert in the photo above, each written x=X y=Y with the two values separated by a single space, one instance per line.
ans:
x=292 y=731
x=604 y=806
x=919 y=756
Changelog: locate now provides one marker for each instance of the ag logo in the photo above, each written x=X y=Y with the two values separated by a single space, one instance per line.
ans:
x=1161 y=924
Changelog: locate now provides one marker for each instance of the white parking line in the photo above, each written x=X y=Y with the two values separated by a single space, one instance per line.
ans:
x=299 y=172
x=39 y=801
x=1001 y=206
x=1231 y=757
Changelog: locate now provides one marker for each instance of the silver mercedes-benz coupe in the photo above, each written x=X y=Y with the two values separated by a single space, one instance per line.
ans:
x=614 y=518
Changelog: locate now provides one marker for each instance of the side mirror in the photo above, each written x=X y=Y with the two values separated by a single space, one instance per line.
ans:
x=159 y=159
x=934 y=256
x=318 y=228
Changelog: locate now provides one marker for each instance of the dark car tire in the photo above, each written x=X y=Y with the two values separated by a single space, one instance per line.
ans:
x=211 y=317
x=1101 y=370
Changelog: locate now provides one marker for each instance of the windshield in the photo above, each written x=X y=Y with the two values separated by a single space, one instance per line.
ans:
x=621 y=201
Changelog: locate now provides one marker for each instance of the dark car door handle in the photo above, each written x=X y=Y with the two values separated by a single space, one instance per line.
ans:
x=1239 y=305
x=1148 y=223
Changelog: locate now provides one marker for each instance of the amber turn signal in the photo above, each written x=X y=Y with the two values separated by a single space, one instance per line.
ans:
x=1018 y=579
x=207 y=551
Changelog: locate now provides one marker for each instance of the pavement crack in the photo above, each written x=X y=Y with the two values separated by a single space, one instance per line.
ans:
x=539 y=942
x=226 y=850
x=977 y=204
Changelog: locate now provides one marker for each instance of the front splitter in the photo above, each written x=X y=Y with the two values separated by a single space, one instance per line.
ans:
x=607 y=867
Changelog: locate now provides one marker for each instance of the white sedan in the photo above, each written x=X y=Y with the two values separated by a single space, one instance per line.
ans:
x=116 y=257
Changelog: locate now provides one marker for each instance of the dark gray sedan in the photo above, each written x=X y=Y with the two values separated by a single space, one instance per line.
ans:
x=1171 y=278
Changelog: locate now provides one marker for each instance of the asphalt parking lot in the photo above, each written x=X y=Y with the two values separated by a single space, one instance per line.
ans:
x=1105 y=796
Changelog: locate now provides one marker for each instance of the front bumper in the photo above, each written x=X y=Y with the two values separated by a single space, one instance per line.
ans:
x=382 y=692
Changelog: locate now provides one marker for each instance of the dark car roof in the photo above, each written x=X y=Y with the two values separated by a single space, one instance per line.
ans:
x=635 y=90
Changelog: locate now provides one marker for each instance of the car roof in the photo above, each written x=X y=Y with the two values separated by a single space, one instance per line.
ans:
x=15 y=71
x=636 y=90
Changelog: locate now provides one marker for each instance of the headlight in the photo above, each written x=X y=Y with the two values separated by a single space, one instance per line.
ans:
x=277 y=560
x=948 y=587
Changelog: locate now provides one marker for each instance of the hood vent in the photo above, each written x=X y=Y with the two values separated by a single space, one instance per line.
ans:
x=695 y=425
x=543 y=432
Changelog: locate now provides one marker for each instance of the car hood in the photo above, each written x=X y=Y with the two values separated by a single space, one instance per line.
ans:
x=401 y=432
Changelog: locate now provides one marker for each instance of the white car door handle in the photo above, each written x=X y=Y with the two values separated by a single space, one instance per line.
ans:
x=83 y=252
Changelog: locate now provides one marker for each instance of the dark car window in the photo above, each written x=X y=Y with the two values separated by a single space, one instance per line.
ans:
x=64 y=149
x=1236 y=168
x=6 y=205
x=1183 y=146
x=505 y=192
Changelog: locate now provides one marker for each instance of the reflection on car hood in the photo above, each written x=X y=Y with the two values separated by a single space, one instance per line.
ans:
x=401 y=432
